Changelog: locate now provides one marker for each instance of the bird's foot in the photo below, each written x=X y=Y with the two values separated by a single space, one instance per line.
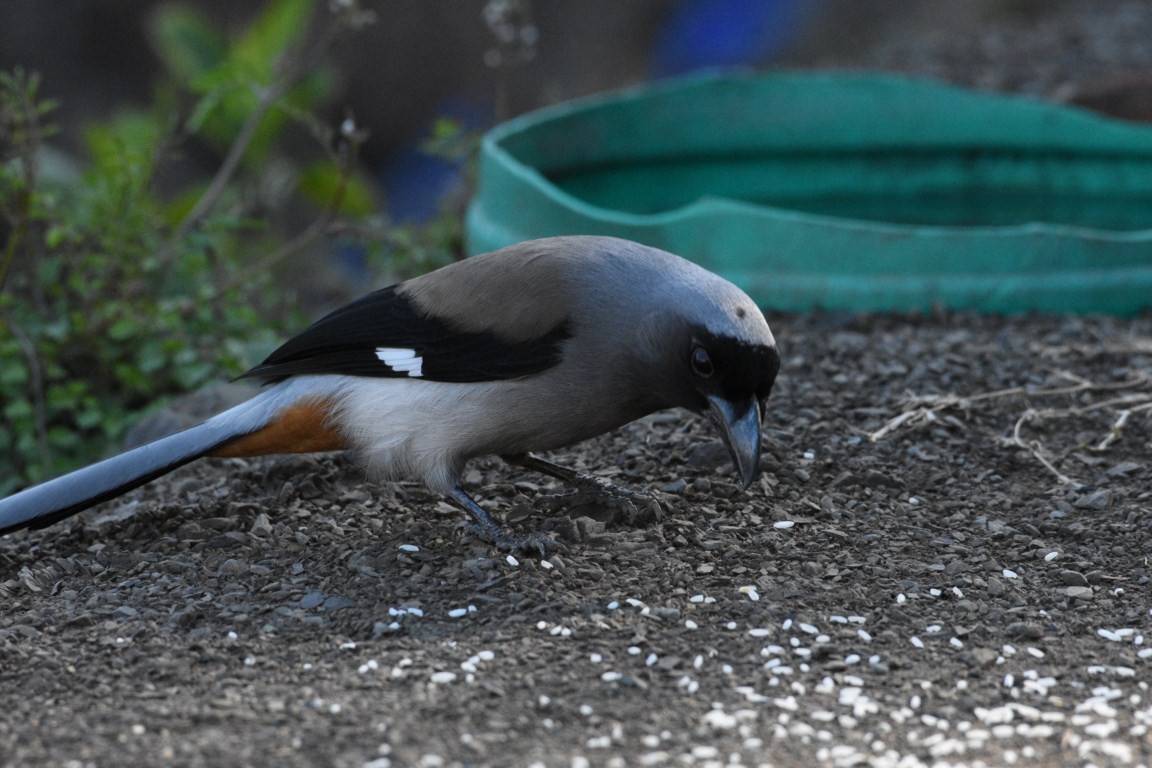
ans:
x=535 y=543
x=491 y=531
x=635 y=508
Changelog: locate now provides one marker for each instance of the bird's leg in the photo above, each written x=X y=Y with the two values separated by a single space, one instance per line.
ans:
x=637 y=506
x=492 y=531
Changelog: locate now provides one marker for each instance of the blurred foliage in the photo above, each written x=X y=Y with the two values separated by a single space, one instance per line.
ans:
x=117 y=289
x=227 y=76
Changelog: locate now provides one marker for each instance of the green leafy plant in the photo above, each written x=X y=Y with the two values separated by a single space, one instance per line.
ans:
x=114 y=294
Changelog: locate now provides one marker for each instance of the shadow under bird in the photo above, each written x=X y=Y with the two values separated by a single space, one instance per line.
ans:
x=529 y=348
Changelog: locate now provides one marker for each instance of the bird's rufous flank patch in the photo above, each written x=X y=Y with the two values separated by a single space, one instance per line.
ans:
x=303 y=427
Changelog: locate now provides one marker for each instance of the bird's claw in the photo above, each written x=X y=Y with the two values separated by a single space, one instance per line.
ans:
x=491 y=531
x=633 y=507
x=530 y=543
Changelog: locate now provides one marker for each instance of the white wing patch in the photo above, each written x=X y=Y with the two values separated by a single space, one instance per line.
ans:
x=401 y=360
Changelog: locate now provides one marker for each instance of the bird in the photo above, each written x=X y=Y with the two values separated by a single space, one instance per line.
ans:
x=526 y=349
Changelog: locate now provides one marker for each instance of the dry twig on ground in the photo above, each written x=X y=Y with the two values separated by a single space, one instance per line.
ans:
x=923 y=409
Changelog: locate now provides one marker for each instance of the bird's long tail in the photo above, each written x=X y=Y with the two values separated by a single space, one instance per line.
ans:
x=286 y=418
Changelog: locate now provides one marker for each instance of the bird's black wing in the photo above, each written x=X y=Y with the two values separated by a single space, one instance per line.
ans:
x=372 y=336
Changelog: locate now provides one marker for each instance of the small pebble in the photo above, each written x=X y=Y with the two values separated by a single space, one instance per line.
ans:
x=1073 y=578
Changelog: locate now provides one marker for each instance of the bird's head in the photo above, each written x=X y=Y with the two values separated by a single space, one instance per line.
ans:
x=717 y=356
x=732 y=378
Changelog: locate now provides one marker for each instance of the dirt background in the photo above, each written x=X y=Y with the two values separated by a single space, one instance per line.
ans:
x=945 y=561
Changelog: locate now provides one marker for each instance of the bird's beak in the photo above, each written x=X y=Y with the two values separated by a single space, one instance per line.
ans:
x=739 y=425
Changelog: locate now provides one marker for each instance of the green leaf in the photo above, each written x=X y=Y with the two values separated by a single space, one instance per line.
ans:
x=56 y=235
x=152 y=358
x=203 y=112
x=279 y=28
x=128 y=143
x=185 y=41
x=18 y=410
x=89 y=417
x=12 y=375
x=124 y=328
x=319 y=183
x=63 y=438
x=250 y=64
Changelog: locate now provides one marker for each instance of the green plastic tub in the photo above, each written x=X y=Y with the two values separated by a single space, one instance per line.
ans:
x=841 y=191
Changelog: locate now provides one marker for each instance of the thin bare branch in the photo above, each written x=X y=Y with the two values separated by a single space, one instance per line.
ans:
x=1111 y=437
x=293 y=66
x=1034 y=447
x=352 y=138
x=925 y=408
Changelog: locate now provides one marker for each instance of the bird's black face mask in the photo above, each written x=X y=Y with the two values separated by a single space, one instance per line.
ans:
x=732 y=380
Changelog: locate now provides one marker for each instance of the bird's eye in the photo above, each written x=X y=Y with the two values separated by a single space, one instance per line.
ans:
x=702 y=362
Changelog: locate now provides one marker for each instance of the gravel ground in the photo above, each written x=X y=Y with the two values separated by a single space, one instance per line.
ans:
x=909 y=583
x=945 y=562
